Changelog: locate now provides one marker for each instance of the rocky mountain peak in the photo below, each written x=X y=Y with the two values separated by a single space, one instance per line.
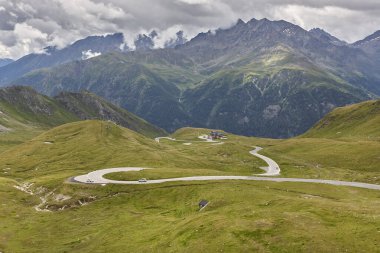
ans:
x=240 y=22
x=325 y=36
x=375 y=37
x=179 y=40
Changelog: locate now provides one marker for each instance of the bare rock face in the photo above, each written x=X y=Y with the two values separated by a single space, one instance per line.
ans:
x=271 y=111
x=370 y=45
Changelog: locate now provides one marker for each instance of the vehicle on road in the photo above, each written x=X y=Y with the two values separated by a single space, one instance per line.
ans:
x=89 y=181
x=143 y=180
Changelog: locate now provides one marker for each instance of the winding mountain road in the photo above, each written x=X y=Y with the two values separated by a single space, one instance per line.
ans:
x=273 y=169
x=167 y=138
x=97 y=178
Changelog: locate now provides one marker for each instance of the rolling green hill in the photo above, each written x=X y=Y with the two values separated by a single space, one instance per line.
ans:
x=360 y=121
x=83 y=146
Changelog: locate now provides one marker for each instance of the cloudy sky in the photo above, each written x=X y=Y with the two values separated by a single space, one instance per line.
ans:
x=28 y=25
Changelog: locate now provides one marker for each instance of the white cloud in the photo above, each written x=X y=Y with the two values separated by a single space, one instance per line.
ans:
x=27 y=27
x=341 y=22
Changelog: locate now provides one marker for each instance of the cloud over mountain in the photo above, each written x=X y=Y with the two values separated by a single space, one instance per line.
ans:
x=28 y=26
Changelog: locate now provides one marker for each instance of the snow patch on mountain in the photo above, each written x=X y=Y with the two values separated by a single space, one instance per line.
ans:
x=89 y=54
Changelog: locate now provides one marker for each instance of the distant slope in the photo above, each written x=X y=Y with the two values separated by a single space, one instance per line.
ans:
x=24 y=113
x=24 y=106
x=144 y=83
x=370 y=45
x=86 y=105
x=354 y=121
x=5 y=61
x=279 y=94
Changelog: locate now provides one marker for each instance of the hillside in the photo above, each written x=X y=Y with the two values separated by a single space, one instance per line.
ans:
x=279 y=94
x=359 y=121
x=26 y=113
x=149 y=92
x=23 y=105
x=84 y=145
x=75 y=146
x=86 y=105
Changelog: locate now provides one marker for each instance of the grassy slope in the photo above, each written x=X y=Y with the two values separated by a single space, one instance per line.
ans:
x=341 y=159
x=358 y=121
x=25 y=114
x=344 y=144
x=27 y=106
x=242 y=216
x=86 y=105
x=326 y=158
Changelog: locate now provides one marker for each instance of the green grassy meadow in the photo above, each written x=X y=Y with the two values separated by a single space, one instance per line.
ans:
x=241 y=217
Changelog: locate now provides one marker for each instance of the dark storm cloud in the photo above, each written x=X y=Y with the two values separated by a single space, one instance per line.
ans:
x=27 y=26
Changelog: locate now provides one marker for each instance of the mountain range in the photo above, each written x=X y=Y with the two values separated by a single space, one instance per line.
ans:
x=262 y=78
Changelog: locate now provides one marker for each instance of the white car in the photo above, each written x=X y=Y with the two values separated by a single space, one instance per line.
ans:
x=143 y=180
x=89 y=181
